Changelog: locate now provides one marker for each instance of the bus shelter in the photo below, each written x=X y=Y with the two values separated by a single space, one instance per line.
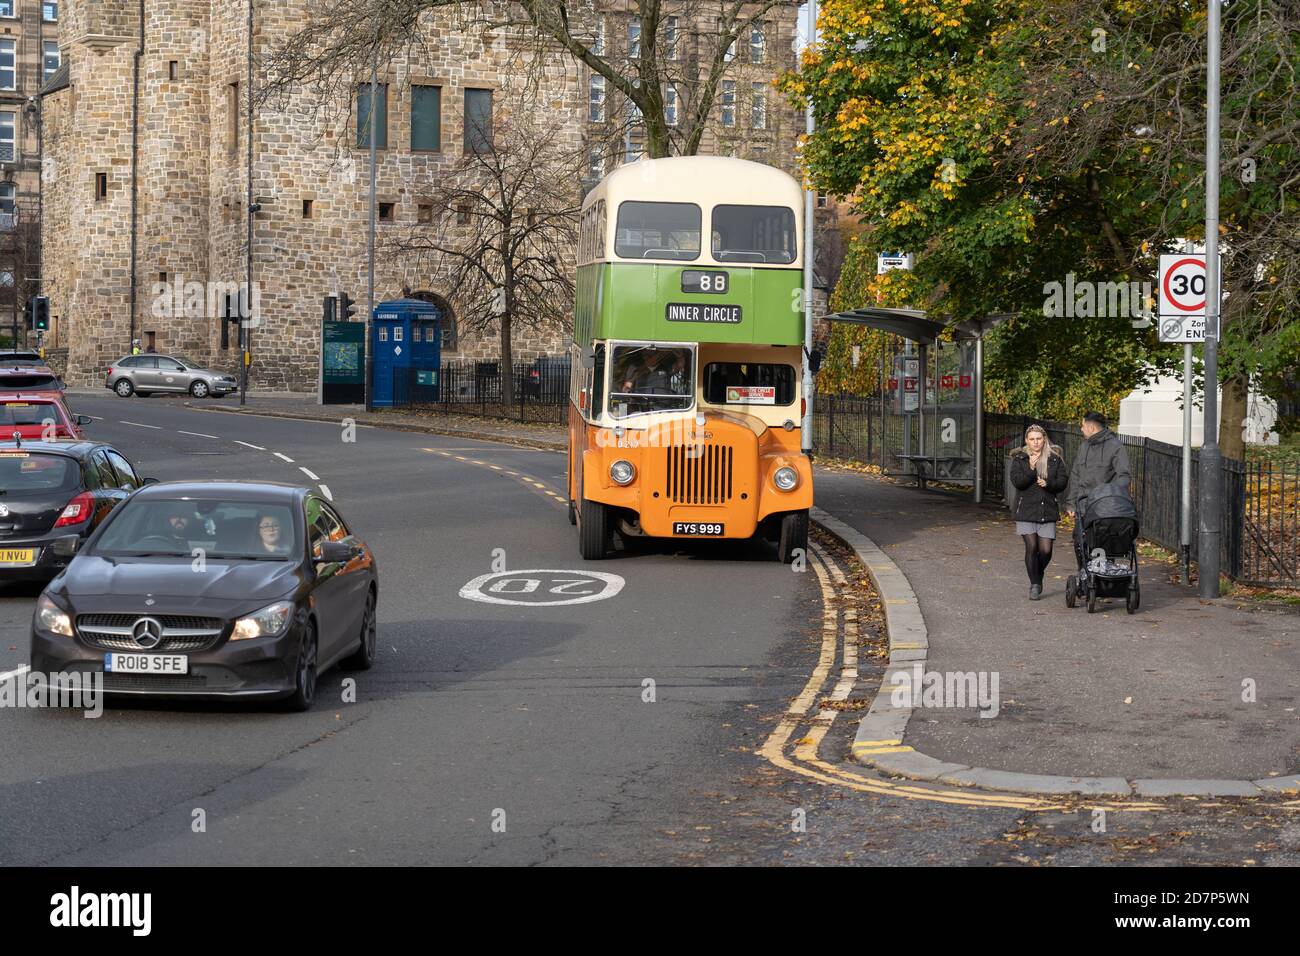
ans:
x=926 y=417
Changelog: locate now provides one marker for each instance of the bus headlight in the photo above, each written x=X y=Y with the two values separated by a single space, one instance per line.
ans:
x=785 y=478
x=622 y=472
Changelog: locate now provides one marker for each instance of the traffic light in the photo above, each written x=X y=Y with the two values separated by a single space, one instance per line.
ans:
x=229 y=313
x=41 y=312
x=331 y=308
x=347 y=307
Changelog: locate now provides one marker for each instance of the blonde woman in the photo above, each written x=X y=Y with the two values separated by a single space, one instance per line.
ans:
x=1039 y=474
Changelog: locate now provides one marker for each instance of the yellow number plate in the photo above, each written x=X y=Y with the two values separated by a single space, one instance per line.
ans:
x=17 y=556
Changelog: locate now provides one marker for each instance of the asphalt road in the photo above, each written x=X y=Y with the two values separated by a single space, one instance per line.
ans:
x=502 y=734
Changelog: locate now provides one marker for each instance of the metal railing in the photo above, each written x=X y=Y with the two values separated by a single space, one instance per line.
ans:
x=541 y=390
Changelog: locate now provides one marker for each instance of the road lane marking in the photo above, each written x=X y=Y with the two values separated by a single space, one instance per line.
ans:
x=198 y=434
x=139 y=425
x=249 y=445
x=10 y=675
x=282 y=457
x=325 y=490
x=309 y=473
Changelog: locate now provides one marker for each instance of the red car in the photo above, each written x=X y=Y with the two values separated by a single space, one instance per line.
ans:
x=31 y=417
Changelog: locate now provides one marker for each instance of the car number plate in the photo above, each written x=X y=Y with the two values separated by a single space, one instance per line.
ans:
x=699 y=528
x=146 y=664
x=17 y=556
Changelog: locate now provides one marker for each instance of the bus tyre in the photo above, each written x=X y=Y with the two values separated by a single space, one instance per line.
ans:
x=593 y=530
x=573 y=512
x=794 y=536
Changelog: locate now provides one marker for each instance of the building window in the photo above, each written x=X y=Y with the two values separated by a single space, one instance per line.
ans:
x=173 y=68
x=448 y=329
x=363 y=117
x=596 y=163
x=598 y=40
x=101 y=186
x=8 y=206
x=633 y=149
x=308 y=207
x=426 y=117
x=8 y=75
x=670 y=105
x=670 y=38
x=758 y=106
x=52 y=58
x=462 y=214
x=8 y=132
x=821 y=200
x=728 y=102
x=49 y=12
x=633 y=38
x=424 y=214
x=731 y=50
x=6 y=8
x=596 y=98
x=387 y=211
x=232 y=118
x=478 y=121
x=757 y=44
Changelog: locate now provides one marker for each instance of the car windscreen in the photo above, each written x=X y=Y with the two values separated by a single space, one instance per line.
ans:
x=658 y=230
x=753 y=234
x=235 y=530
x=30 y=381
x=748 y=383
x=31 y=472
x=649 y=378
x=29 y=413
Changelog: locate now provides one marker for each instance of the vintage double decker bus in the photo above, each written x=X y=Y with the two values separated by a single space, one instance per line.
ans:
x=686 y=398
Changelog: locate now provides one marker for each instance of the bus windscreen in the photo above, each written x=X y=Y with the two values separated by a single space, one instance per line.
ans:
x=753 y=234
x=646 y=378
x=658 y=230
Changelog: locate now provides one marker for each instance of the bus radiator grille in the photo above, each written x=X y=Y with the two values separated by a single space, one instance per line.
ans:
x=699 y=474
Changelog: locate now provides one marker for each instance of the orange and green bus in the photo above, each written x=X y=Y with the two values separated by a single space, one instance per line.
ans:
x=686 y=398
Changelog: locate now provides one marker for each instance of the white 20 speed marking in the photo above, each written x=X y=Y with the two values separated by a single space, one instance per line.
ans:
x=542 y=587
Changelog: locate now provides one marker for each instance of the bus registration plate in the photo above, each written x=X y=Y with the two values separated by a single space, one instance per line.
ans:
x=710 y=529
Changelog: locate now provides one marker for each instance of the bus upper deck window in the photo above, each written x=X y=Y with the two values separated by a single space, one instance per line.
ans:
x=753 y=234
x=658 y=230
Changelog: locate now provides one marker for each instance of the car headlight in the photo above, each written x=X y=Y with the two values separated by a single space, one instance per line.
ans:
x=52 y=618
x=622 y=472
x=785 y=478
x=269 y=622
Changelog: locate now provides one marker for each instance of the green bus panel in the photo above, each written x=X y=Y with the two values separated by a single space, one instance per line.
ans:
x=623 y=300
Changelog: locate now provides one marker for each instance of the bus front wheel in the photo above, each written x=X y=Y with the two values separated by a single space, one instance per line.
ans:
x=593 y=530
x=794 y=536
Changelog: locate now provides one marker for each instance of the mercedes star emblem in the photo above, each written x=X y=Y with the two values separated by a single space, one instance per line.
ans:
x=147 y=632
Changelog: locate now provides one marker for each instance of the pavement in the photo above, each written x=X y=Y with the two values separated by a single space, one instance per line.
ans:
x=1186 y=696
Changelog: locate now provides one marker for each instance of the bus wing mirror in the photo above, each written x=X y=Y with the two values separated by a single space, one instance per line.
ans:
x=588 y=357
x=815 y=361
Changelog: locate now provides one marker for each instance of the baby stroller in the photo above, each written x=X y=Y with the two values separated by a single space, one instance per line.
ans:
x=1109 y=564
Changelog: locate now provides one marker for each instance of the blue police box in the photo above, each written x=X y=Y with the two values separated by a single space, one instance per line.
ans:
x=406 y=344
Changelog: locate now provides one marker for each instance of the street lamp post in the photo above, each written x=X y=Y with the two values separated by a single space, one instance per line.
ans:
x=1211 y=504
x=810 y=207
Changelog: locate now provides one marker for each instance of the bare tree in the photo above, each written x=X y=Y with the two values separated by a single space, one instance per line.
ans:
x=666 y=58
x=502 y=232
x=19 y=250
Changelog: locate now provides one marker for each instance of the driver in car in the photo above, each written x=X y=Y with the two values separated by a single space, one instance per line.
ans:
x=653 y=377
x=177 y=526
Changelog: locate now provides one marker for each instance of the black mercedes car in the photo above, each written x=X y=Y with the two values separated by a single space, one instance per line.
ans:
x=52 y=496
x=213 y=589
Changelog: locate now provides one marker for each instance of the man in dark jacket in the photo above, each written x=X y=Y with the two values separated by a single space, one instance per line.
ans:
x=1101 y=460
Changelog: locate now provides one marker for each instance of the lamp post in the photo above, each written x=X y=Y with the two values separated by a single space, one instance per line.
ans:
x=1211 y=476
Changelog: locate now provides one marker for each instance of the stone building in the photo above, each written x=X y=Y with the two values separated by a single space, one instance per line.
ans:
x=29 y=56
x=147 y=170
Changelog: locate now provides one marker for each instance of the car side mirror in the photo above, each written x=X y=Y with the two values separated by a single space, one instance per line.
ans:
x=148 y=481
x=84 y=419
x=66 y=546
x=335 y=552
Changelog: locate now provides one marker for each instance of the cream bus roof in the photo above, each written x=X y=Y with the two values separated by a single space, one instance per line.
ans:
x=706 y=180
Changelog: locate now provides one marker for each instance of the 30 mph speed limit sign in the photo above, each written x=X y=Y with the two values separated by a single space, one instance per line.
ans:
x=1182 y=297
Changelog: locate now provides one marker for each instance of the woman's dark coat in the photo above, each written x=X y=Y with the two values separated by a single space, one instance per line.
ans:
x=1038 y=504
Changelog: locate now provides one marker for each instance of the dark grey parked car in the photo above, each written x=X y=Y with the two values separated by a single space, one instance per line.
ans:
x=146 y=374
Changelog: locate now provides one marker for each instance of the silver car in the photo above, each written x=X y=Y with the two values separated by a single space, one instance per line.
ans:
x=145 y=374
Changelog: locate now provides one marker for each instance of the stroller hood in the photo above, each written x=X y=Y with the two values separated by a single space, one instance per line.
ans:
x=1109 y=501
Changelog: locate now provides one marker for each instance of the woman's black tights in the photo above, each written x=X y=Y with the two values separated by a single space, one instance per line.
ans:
x=1038 y=555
